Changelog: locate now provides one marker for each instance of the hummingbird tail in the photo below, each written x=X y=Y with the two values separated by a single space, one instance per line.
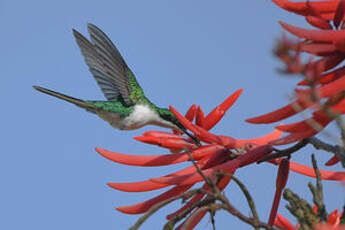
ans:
x=72 y=100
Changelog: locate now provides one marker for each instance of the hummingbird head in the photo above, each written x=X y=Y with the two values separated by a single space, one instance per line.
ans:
x=167 y=115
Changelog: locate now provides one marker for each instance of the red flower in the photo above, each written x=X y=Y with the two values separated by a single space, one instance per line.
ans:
x=220 y=153
x=325 y=79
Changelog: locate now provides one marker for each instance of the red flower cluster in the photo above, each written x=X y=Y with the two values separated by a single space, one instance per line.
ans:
x=325 y=79
x=333 y=222
x=221 y=153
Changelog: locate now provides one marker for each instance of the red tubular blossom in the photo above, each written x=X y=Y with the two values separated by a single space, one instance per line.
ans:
x=170 y=143
x=319 y=120
x=327 y=77
x=283 y=173
x=191 y=178
x=228 y=167
x=200 y=117
x=282 y=113
x=191 y=113
x=141 y=186
x=318 y=49
x=146 y=205
x=308 y=8
x=160 y=134
x=333 y=217
x=309 y=171
x=329 y=62
x=318 y=22
x=282 y=223
x=339 y=13
x=315 y=35
x=264 y=140
x=143 y=160
x=217 y=113
x=228 y=142
x=201 y=133
x=331 y=89
x=293 y=137
x=332 y=161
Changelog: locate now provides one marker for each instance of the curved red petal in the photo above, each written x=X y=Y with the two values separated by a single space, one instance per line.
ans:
x=160 y=134
x=283 y=223
x=307 y=8
x=327 y=90
x=317 y=122
x=318 y=49
x=191 y=113
x=228 y=167
x=332 y=161
x=339 y=13
x=201 y=133
x=146 y=205
x=217 y=113
x=309 y=171
x=327 y=77
x=283 y=174
x=200 y=117
x=319 y=22
x=287 y=111
x=274 y=135
x=141 y=186
x=143 y=160
x=314 y=35
x=293 y=137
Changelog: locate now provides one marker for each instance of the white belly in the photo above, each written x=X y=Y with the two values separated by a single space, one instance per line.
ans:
x=142 y=115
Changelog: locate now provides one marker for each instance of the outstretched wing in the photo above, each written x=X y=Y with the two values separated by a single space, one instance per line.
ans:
x=106 y=64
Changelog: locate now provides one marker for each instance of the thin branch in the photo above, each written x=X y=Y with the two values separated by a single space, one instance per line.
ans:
x=249 y=198
x=158 y=206
x=336 y=149
x=206 y=179
x=171 y=223
x=189 y=220
x=285 y=152
x=318 y=192
x=226 y=205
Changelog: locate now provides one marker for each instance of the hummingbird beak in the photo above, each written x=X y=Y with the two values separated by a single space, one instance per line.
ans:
x=194 y=138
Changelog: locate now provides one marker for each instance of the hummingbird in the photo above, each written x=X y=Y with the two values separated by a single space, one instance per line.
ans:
x=126 y=107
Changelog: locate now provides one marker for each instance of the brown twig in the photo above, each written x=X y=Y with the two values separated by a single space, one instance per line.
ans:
x=207 y=180
x=285 y=152
x=158 y=206
x=318 y=192
x=171 y=223
x=226 y=205
x=249 y=198
x=336 y=149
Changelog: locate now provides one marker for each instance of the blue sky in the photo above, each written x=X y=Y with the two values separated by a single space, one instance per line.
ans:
x=182 y=52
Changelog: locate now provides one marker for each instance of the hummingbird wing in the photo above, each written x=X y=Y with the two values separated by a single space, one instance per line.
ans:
x=106 y=65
